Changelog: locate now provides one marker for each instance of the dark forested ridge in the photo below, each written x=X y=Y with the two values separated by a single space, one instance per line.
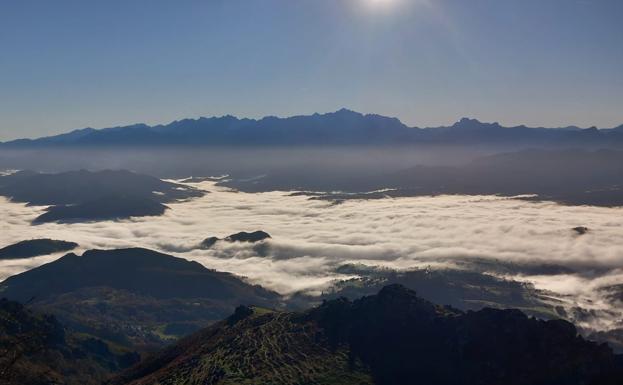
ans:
x=35 y=349
x=133 y=297
x=393 y=337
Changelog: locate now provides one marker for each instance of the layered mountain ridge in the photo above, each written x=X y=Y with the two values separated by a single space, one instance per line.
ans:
x=343 y=127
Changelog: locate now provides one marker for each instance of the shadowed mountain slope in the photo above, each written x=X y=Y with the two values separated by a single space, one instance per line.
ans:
x=74 y=187
x=140 y=270
x=133 y=297
x=390 y=338
x=462 y=289
x=36 y=349
x=35 y=247
x=112 y=207
x=570 y=176
x=84 y=195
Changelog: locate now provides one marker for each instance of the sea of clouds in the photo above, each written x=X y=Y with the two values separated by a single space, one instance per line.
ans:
x=311 y=238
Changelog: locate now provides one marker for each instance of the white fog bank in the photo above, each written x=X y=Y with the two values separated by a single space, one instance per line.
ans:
x=311 y=238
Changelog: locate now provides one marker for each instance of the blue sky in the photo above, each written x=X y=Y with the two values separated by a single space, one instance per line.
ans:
x=72 y=64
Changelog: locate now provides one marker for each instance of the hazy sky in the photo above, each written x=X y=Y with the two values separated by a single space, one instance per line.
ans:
x=68 y=64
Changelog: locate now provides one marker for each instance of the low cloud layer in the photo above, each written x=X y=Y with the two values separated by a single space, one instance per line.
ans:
x=311 y=238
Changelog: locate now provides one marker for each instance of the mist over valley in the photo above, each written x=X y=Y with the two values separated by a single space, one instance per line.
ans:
x=353 y=192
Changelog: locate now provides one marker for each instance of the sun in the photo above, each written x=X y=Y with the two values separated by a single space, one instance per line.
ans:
x=381 y=4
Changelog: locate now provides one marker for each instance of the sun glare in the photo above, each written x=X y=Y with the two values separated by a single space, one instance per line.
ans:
x=389 y=4
x=380 y=3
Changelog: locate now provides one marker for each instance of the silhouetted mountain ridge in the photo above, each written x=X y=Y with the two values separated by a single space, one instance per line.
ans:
x=89 y=196
x=243 y=236
x=343 y=127
x=35 y=247
x=102 y=208
x=72 y=187
x=140 y=270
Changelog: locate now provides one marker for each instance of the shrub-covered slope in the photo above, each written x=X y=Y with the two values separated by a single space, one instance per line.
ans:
x=393 y=337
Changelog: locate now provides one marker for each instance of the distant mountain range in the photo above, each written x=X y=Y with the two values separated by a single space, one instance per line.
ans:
x=343 y=127
x=567 y=176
